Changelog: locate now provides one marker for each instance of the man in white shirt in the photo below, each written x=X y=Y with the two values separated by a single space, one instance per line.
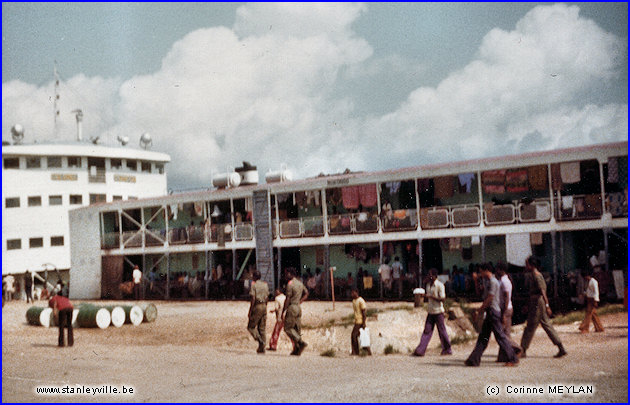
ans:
x=278 y=304
x=435 y=309
x=505 y=303
x=137 y=278
x=397 y=270
x=592 y=300
x=386 y=278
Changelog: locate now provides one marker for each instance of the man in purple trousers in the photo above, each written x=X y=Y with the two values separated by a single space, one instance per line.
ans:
x=437 y=296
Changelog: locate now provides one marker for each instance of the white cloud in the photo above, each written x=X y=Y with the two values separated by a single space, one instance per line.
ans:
x=264 y=91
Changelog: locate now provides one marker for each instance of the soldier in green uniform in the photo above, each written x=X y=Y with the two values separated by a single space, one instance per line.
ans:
x=292 y=313
x=538 y=310
x=259 y=293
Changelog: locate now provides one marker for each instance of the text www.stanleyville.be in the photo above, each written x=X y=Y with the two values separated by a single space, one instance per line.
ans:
x=85 y=390
x=547 y=390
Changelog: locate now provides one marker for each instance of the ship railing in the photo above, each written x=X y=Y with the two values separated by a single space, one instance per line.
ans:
x=577 y=207
x=243 y=231
x=155 y=237
x=363 y=222
x=538 y=210
x=220 y=231
x=400 y=220
x=132 y=238
x=196 y=234
x=499 y=214
x=340 y=224
x=110 y=240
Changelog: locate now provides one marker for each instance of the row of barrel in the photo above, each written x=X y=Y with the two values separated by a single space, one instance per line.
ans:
x=96 y=316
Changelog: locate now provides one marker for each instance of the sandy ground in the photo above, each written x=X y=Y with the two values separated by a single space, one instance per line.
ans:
x=201 y=352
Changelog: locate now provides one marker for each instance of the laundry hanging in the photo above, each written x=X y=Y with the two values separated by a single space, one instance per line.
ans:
x=537 y=177
x=350 y=196
x=570 y=172
x=536 y=238
x=466 y=180
x=493 y=181
x=516 y=181
x=368 y=195
x=198 y=208
x=517 y=248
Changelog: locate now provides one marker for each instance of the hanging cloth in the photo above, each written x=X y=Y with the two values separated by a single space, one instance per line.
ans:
x=537 y=177
x=516 y=181
x=466 y=180
x=368 y=195
x=536 y=238
x=443 y=186
x=350 y=196
x=454 y=243
x=198 y=207
x=613 y=170
x=493 y=181
x=300 y=199
x=174 y=209
x=556 y=178
x=249 y=204
x=282 y=198
x=517 y=248
x=393 y=186
x=570 y=172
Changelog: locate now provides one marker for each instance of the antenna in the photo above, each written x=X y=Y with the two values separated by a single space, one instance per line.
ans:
x=145 y=140
x=124 y=140
x=17 y=133
x=56 y=99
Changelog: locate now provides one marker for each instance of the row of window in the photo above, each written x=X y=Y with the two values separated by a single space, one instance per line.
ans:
x=74 y=199
x=15 y=244
x=35 y=162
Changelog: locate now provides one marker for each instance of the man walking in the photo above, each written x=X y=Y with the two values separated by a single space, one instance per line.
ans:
x=592 y=301
x=437 y=296
x=278 y=305
x=28 y=286
x=62 y=308
x=360 y=315
x=397 y=270
x=538 y=310
x=507 y=310
x=292 y=313
x=259 y=293
x=492 y=323
x=137 y=279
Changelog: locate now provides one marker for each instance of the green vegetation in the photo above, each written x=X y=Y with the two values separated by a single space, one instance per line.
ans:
x=578 y=316
x=328 y=353
x=389 y=349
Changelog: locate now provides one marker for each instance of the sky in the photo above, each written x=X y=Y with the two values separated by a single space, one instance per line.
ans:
x=320 y=87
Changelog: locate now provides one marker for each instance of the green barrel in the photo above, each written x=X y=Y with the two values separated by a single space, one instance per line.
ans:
x=150 y=313
x=39 y=316
x=92 y=316
x=133 y=314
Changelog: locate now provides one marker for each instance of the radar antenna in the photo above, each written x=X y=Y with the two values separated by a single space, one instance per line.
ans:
x=145 y=140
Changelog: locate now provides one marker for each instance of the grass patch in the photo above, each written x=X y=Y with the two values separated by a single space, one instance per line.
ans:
x=577 y=316
x=461 y=339
x=328 y=353
x=389 y=349
x=402 y=307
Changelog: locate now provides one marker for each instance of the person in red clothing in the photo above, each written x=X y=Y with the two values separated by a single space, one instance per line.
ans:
x=62 y=308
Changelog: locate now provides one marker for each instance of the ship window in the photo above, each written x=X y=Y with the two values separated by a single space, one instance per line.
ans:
x=55 y=200
x=14 y=244
x=132 y=198
x=116 y=163
x=76 y=199
x=97 y=198
x=159 y=167
x=146 y=167
x=34 y=201
x=116 y=198
x=12 y=163
x=33 y=162
x=132 y=165
x=54 y=161
x=13 y=202
x=56 y=241
x=36 y=242
x=74 y=161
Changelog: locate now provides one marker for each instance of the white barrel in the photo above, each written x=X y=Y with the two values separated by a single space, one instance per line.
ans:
x=118 y=316
x=223 y=180
x=75 y=313
x=134 y=314
x=46 y=318
x=103 y=318
x=278 y=176
x=249 y=177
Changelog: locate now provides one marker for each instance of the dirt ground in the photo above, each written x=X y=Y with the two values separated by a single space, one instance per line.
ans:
x=201 y=352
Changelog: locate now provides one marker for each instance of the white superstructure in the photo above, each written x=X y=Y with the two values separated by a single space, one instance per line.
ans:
x=42 y=182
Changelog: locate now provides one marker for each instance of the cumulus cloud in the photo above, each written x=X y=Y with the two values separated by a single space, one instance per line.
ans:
x=265 y=90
